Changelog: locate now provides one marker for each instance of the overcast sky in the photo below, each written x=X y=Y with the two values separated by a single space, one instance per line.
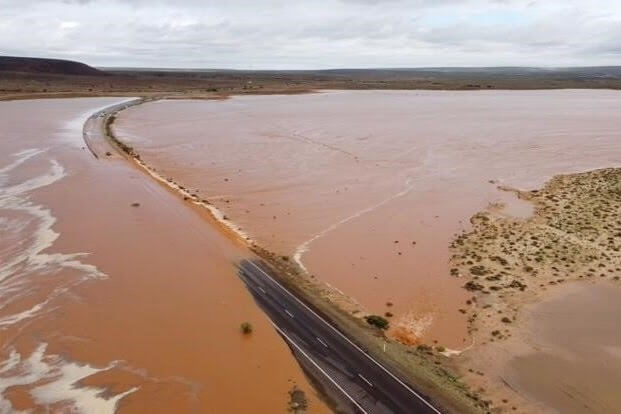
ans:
x=300 y=34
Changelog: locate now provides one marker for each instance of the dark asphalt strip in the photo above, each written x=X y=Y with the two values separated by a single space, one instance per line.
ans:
x=363 y=380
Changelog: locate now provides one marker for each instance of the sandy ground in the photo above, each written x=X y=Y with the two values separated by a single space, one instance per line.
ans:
x=106 y=305
x=562 y=354
x=577 y=364
x=558 y=345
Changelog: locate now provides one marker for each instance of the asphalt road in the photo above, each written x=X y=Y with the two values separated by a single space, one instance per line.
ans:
x=355 y=381
x=359 y=382
x=93 y=130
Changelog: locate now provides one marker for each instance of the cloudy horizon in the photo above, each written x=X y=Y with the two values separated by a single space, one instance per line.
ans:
x=305 y=34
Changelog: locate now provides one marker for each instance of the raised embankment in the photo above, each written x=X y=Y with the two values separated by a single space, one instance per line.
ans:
x=421 y=366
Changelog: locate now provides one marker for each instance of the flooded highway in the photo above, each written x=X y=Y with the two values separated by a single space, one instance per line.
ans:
x=367 y=189
x=115 y=295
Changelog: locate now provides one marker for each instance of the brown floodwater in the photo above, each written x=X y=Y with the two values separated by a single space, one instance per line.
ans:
x=105 y=306
x=366 y=189
x=575 y=362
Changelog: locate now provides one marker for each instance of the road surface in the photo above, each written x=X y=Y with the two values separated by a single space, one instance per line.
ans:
x=355 y=381
x=361 y=384
x=93 y=130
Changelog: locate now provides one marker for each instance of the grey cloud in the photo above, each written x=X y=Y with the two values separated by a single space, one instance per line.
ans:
x=314 y=34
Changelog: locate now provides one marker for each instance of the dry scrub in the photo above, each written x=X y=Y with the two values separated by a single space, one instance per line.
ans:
x=575 y=233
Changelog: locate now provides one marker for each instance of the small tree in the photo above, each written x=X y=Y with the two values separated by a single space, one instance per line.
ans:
x=246 y=328
x=377 y=321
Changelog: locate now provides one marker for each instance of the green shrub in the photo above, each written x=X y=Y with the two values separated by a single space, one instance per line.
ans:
x=246 y=328
x=378 y=321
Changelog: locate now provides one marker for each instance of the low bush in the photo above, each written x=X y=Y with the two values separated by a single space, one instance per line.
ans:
x=378 y=321
x=246 y=328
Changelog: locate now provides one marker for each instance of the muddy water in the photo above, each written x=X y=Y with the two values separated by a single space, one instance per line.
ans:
x=106 y=306
x=366 y=189
x=575 y=365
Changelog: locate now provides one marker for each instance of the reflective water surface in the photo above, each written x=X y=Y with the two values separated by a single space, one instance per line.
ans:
x=576 y=365
x=366 y=189
x=106 y=306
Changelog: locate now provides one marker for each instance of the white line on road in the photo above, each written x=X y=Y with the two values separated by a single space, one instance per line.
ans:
x=320 y=369
x=288 y=313
x=366 y=380
x=262 y=290
x=347 y=339
x=322 y=342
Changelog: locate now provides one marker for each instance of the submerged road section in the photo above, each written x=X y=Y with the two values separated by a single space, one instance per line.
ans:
x=93 y=130
x=362 y=384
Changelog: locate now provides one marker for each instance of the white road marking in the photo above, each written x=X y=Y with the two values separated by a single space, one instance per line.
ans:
x=347 y=339
x=288 y=313
x=319 y=368
x=365 y=380
x=262 y=290
x=322 y=342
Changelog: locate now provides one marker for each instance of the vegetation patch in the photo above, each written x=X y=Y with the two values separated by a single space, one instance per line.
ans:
x=378 y=321
x=574 y=234
x=298 y=402
x=246 y=328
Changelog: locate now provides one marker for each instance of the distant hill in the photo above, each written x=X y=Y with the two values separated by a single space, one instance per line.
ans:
x=27 y=77
x=48 y=66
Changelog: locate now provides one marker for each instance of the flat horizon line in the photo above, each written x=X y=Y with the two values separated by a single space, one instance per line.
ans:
x=398 y=68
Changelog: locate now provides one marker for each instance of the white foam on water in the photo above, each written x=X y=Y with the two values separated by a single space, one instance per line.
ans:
x=29 y=261
x=303 y=248
x=21 y=157
x=53 y=380
x=448 y=352
x=69 y=135
x=26 y=314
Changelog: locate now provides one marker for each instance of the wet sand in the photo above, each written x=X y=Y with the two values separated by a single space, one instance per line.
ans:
x=544 y=330
x=368 y=189
x=575 y=362
x=138 y=306
x=563 y=355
